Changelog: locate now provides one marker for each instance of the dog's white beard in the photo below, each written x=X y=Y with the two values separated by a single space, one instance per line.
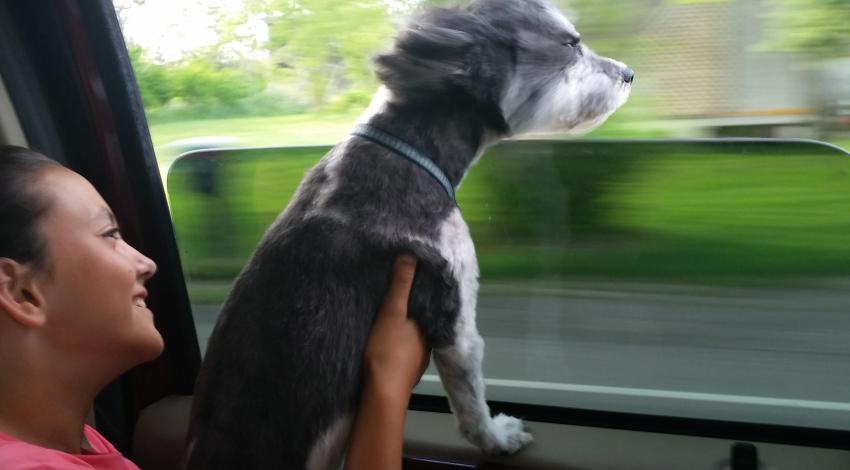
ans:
x=562 y=107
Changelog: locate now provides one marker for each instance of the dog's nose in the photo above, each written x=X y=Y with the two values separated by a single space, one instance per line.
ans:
x=628 y=75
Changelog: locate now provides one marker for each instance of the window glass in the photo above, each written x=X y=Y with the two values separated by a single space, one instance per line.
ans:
x=701 y=279
x=698 y=279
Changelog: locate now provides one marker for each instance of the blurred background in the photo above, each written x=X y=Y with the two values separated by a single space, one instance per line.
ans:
x=629 y=270
x=289 y=72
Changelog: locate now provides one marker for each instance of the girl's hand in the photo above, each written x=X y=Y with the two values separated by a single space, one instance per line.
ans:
x=395 y=358
x=397 y=354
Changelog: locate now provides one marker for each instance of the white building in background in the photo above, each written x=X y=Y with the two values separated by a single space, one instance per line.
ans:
x=711 y=74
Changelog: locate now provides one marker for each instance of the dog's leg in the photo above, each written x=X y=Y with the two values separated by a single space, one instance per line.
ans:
x=460 y=372
x=459 y=364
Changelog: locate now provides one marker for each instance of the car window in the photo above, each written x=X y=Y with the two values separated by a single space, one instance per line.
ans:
x=645 y=268
x=704 y=279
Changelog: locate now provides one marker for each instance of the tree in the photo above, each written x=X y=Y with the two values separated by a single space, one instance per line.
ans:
x=195 y=81
x=328 y=44
x=223 y=71
x=817 y=27
x=155 y=85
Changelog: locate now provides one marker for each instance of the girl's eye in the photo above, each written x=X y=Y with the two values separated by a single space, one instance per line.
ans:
x=113 y=233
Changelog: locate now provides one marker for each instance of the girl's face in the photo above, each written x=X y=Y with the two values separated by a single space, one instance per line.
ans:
x=93 y=285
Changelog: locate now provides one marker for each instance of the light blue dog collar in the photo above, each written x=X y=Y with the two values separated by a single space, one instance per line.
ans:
x=406 y=150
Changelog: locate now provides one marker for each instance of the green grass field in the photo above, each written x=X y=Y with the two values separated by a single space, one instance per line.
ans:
x=293 y=130
x=302 y=129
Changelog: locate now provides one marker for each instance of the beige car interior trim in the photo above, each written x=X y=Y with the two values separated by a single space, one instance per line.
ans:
x=161 y=430
x=558 y=446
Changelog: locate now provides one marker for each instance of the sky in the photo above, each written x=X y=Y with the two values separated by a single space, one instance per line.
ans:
x=168 y=29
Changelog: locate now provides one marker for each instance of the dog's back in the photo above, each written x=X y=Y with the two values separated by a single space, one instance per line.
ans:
x=282 y=372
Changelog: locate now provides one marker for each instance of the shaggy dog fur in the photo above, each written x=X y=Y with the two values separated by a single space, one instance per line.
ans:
x=282 y=375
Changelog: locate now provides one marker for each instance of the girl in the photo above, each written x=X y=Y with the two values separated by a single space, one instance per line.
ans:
x=73 y=318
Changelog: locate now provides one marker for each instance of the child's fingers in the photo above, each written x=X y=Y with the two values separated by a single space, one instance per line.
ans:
x=404 y=270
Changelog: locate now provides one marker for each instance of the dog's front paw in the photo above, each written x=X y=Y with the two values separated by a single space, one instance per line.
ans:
x=500 y=435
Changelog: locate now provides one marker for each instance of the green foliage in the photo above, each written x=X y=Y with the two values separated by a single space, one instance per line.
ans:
x=350 y=101
x=198 y=81
x=196 y=84
x=819 y=27
x=327 y=44
x=155 y=84
x=595 y=19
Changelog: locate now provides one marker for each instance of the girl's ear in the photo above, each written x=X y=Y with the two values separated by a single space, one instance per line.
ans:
x=20 y=299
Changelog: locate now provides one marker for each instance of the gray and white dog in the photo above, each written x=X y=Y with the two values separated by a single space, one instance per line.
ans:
x=282 y=376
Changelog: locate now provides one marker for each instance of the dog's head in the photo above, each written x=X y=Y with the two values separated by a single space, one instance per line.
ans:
x=521 y=62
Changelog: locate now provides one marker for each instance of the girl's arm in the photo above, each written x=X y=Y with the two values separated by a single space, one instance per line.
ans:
x=396 y=356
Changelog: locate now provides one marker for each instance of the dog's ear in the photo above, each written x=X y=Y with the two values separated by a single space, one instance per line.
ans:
x=428 y=58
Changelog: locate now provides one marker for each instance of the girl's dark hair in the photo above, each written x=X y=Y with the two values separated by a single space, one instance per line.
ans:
x=21 y=205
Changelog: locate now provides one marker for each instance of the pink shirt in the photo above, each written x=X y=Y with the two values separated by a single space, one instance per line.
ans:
x=16 y=454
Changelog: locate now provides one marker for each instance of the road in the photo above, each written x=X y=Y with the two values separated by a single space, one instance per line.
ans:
x=778 y=355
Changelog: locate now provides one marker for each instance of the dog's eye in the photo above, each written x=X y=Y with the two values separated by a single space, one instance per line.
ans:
x=571 y=42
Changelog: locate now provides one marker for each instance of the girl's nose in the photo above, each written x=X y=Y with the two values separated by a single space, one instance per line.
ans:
x=144 y=266
x=147 y=268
